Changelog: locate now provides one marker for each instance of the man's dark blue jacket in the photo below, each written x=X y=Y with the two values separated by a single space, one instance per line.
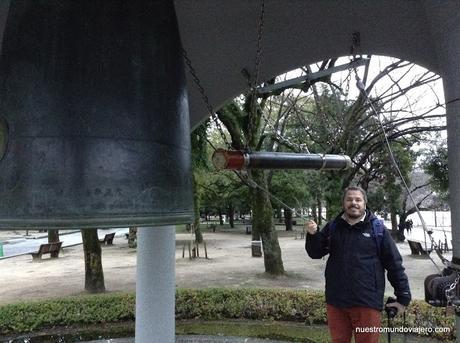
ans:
x=355 y=273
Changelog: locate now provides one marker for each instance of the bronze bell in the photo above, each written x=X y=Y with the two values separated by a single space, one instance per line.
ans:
x=93 y=116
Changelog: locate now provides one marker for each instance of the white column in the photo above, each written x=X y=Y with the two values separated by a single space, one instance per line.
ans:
x=155 y=285
x=449 y=57
x=445 y=27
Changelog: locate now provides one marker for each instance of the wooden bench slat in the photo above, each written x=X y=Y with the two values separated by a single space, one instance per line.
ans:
x=48 y=248
x=417 y=248
x=108 y=238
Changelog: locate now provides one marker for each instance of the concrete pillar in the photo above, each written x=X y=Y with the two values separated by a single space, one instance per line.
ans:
x=445 y=27
x=447 y=39
x=155 y=286
x=452 y=93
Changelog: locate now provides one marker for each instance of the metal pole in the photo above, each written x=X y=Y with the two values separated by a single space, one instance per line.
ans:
x=313 y=76
x=155 y=285
x=237 y=160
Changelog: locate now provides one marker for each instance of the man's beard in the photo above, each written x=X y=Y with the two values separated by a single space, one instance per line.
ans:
x=355 y=216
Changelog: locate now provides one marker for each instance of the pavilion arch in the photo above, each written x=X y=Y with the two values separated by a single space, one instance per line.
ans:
x=220 y=38
x=295 y=33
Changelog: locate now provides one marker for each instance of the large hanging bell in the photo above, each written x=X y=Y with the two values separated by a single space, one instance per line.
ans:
x=94 y=125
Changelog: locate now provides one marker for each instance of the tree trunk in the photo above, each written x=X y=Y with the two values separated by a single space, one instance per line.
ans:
x=53 y=236
x=402 y=227
x=94 y=274
x=394 y=220
x=196 y=208
x=231 y=215
x=198 y=234
x=132 y=237
x=288 y=219
x=264 y=227
x=395 y=233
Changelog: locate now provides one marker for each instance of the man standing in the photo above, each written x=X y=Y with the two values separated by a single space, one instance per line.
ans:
x=359 y=254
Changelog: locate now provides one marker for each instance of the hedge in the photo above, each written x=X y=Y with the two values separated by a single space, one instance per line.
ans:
x=202 y=304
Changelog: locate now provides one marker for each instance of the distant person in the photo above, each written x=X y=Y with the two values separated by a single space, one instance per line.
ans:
x=401 y=229
x=409 y=225
x=360 y=249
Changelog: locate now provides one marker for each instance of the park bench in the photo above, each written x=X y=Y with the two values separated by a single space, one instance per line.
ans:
x=416 y=248
x=108 y=239
x=48 y=248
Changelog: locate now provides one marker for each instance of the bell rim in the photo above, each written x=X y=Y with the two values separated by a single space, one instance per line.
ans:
x=92 y=222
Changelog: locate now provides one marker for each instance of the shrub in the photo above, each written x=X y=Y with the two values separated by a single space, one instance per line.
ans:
x=31 y=316
x=203 y=304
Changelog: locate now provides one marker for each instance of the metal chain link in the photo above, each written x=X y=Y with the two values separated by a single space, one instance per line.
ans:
x=241 y=175
x=205 y=98
x=259 y=43
x=254 y=83
x=450 y=294
x=355 y=45
x=255 y=80
x=348 y=79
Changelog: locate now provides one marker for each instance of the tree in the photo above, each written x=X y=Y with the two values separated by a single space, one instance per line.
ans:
x=435 y=164
x=290 y=187
x=132 y=237
x=94 y=274
x=337 y=122
x=53 y=236
x=223 y=192
x=386 y=179
x=243 y=120
x=199 y=163
x=320 y=112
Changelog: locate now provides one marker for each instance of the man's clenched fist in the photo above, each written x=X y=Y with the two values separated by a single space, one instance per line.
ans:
x=311 y=227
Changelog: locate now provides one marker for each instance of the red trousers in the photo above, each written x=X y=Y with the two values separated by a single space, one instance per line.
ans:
x=345 y=322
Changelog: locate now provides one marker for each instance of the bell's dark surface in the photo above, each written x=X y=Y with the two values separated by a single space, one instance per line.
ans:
x=94 y=116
